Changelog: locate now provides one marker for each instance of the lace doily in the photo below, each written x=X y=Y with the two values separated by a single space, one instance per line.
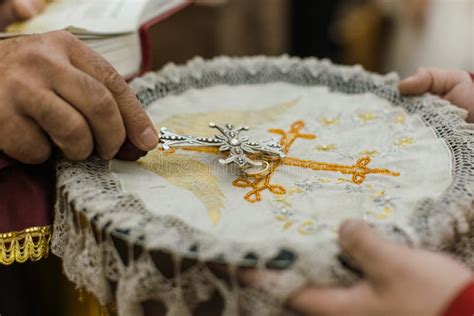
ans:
x=355 y=148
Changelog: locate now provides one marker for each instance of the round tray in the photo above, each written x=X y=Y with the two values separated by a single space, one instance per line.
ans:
x=112 y=217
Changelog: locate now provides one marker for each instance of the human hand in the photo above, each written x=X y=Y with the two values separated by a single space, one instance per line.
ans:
x=17 y=10
x=455 y=86
x=55 y=90
x=397 y=280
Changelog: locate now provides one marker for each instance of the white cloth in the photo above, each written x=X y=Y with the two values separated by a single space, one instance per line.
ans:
x=199 y=191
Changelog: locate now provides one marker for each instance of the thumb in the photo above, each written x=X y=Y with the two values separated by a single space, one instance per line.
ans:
x=25 y=9
x=371 y=253
x=436 y=81
x=418 y=83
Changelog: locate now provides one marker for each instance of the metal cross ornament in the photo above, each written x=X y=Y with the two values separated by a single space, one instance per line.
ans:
x=231 y=141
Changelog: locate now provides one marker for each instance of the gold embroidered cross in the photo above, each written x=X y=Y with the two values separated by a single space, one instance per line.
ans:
x=261 y=182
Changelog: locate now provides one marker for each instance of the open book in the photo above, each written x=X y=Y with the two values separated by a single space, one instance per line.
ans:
x=116 y=29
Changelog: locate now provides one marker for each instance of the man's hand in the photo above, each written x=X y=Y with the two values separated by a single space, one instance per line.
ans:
x=55 y=90
x=455 y=86
x=397 y=280
x=18 y=10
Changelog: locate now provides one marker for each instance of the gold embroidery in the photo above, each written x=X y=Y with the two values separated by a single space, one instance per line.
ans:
x=387 y=211
x=324 y=180
x=329 y=147
x=287 y=223
x=399 y=119
x=370 y=153
x=378 y=194
x=367 y=117
x=282 y=199
x=342 y=180
x=295 y=190
x=186 y=172
x=19 y=246
x=329 y=121
x=304 y=228
x=404 y=141
x=261 y=182
x=358 y=171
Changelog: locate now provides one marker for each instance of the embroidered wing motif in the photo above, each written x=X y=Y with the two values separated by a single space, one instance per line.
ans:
x=196 y=178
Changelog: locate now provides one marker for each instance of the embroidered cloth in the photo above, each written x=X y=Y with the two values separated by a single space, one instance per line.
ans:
x=354 y=148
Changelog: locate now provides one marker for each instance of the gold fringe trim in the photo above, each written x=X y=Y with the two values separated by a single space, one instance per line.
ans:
x=19 y=246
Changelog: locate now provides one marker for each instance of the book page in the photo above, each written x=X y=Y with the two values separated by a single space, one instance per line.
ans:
x=92 y=16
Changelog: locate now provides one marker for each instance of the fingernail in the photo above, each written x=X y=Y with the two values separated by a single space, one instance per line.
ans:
x=26 y=9
x=149 y=138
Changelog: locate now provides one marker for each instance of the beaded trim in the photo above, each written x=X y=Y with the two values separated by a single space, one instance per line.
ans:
x=19 y=246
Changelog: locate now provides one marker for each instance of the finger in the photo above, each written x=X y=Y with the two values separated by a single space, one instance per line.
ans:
x=7 y=15
x=463 y=96
x=26 y=143
x=95 y=102
x=357 y=300
x=67 y=127
x=129 y=152
x=140 y=129
x=371 y=252
x=436 y=81
x=25 y=9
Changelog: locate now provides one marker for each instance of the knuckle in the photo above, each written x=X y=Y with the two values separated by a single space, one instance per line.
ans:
x=75 y=140
x=15 y=83
x=104 y=105
x=116 y=83
x=39 y=54
x=63 y=35
x=39 y=154
x=74 y=130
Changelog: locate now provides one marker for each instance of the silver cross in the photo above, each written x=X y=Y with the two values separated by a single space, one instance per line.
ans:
x=231 y=140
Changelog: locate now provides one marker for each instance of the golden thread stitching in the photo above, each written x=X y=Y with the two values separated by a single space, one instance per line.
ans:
x=359 y=170
x=261 y=182
x=329 y=121
x=19 y=246
x=404 y=141
x=329 y=147
x=367 y=117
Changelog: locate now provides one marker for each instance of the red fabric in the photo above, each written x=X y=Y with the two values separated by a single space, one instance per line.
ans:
x=145 y=39
x=472 y=75
x=26 y=195
x=463 y=304
x=27 y=192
